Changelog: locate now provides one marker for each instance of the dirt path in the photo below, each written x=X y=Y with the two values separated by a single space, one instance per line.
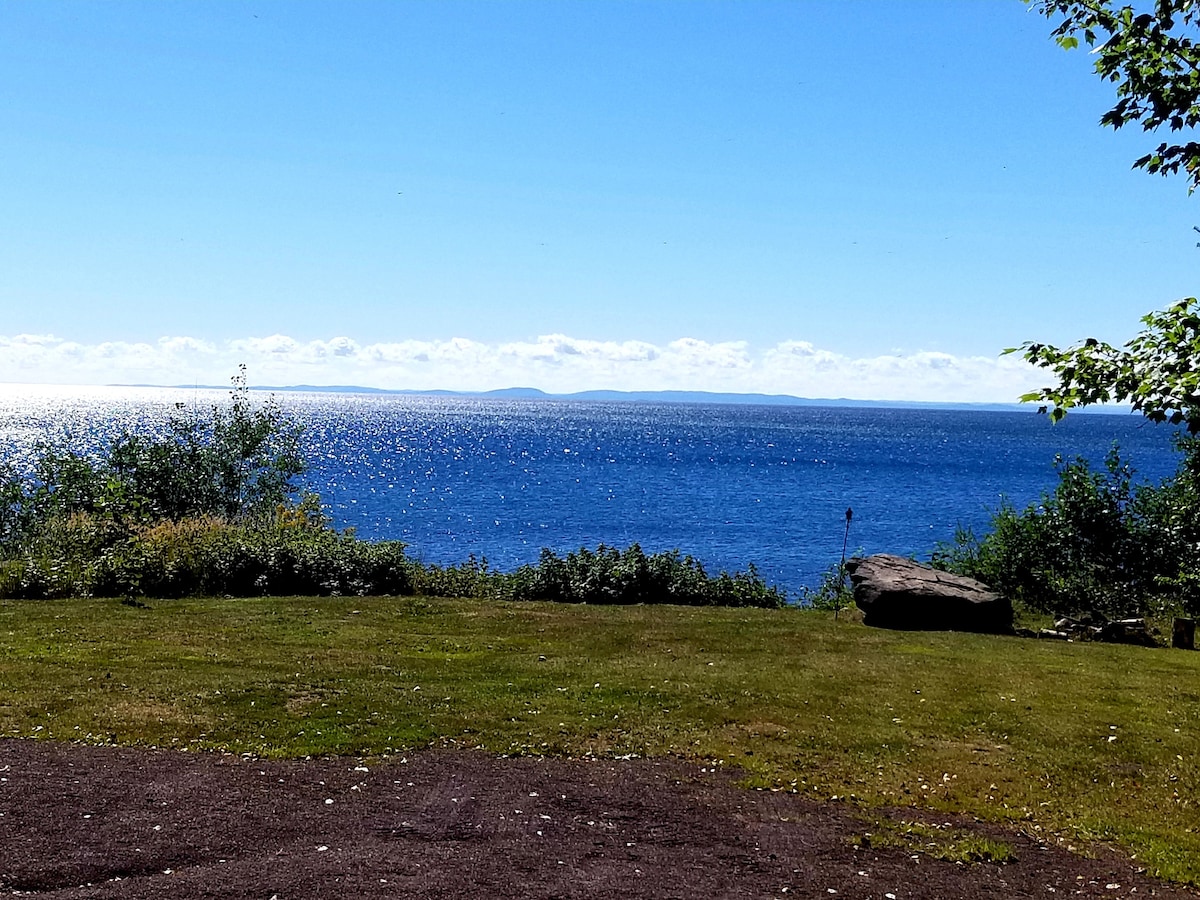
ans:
x=78 y=821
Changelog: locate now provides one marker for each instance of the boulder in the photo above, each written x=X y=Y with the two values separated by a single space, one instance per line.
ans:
x=894 y=592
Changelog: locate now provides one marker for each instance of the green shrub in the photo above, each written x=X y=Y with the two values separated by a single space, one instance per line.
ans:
x=611 y=576
x=210 y=557
x=237 y=464
x=297 y=553
x=833 y=592
x=1097 y=544
x=472 y=578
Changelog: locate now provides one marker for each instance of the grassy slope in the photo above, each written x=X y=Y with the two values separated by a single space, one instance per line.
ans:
x=1084 y=741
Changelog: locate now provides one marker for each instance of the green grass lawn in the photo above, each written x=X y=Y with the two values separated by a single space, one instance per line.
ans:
x=1077 y=742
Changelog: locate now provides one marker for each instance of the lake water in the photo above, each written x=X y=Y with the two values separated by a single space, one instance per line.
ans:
x=729 y=484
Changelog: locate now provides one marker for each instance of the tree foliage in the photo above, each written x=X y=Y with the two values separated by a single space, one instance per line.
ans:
x=1074 y=551
x=1158 y=371
x=1100 y=543
x=1153 y=58
x=240 y=462
x=236 y=464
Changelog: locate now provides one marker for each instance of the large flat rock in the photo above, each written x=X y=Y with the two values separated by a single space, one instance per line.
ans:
x=895 y=592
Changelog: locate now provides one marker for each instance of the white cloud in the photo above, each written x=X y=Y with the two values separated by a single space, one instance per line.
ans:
x=556 y=363
x=274 y=344
x=185 y=345
x=32 y=340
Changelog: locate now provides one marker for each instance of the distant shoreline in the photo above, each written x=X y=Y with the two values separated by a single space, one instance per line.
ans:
x=671 y=396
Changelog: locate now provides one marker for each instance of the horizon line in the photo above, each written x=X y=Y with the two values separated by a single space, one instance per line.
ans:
x=673 y=395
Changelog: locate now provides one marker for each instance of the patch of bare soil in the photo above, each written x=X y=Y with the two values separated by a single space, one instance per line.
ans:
x=80 y=821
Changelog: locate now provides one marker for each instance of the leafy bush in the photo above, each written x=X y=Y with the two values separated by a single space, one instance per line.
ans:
x=833 y=592
x=472 y=578
x=209 y=557
x=1097 y=544
x=237 y=464
x=608 y=575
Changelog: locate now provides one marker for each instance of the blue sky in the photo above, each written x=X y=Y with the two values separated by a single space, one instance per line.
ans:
x=835 y=199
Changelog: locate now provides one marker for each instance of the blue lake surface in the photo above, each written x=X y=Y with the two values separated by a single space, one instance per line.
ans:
x=730 y=484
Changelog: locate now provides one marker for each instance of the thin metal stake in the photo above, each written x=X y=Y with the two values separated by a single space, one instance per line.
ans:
x=845 y=541
x=842 y=568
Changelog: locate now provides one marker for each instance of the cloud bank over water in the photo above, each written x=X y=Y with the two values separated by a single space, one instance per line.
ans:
x=555 y=363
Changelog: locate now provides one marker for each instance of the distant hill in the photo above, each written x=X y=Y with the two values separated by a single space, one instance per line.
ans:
x=528 y=393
